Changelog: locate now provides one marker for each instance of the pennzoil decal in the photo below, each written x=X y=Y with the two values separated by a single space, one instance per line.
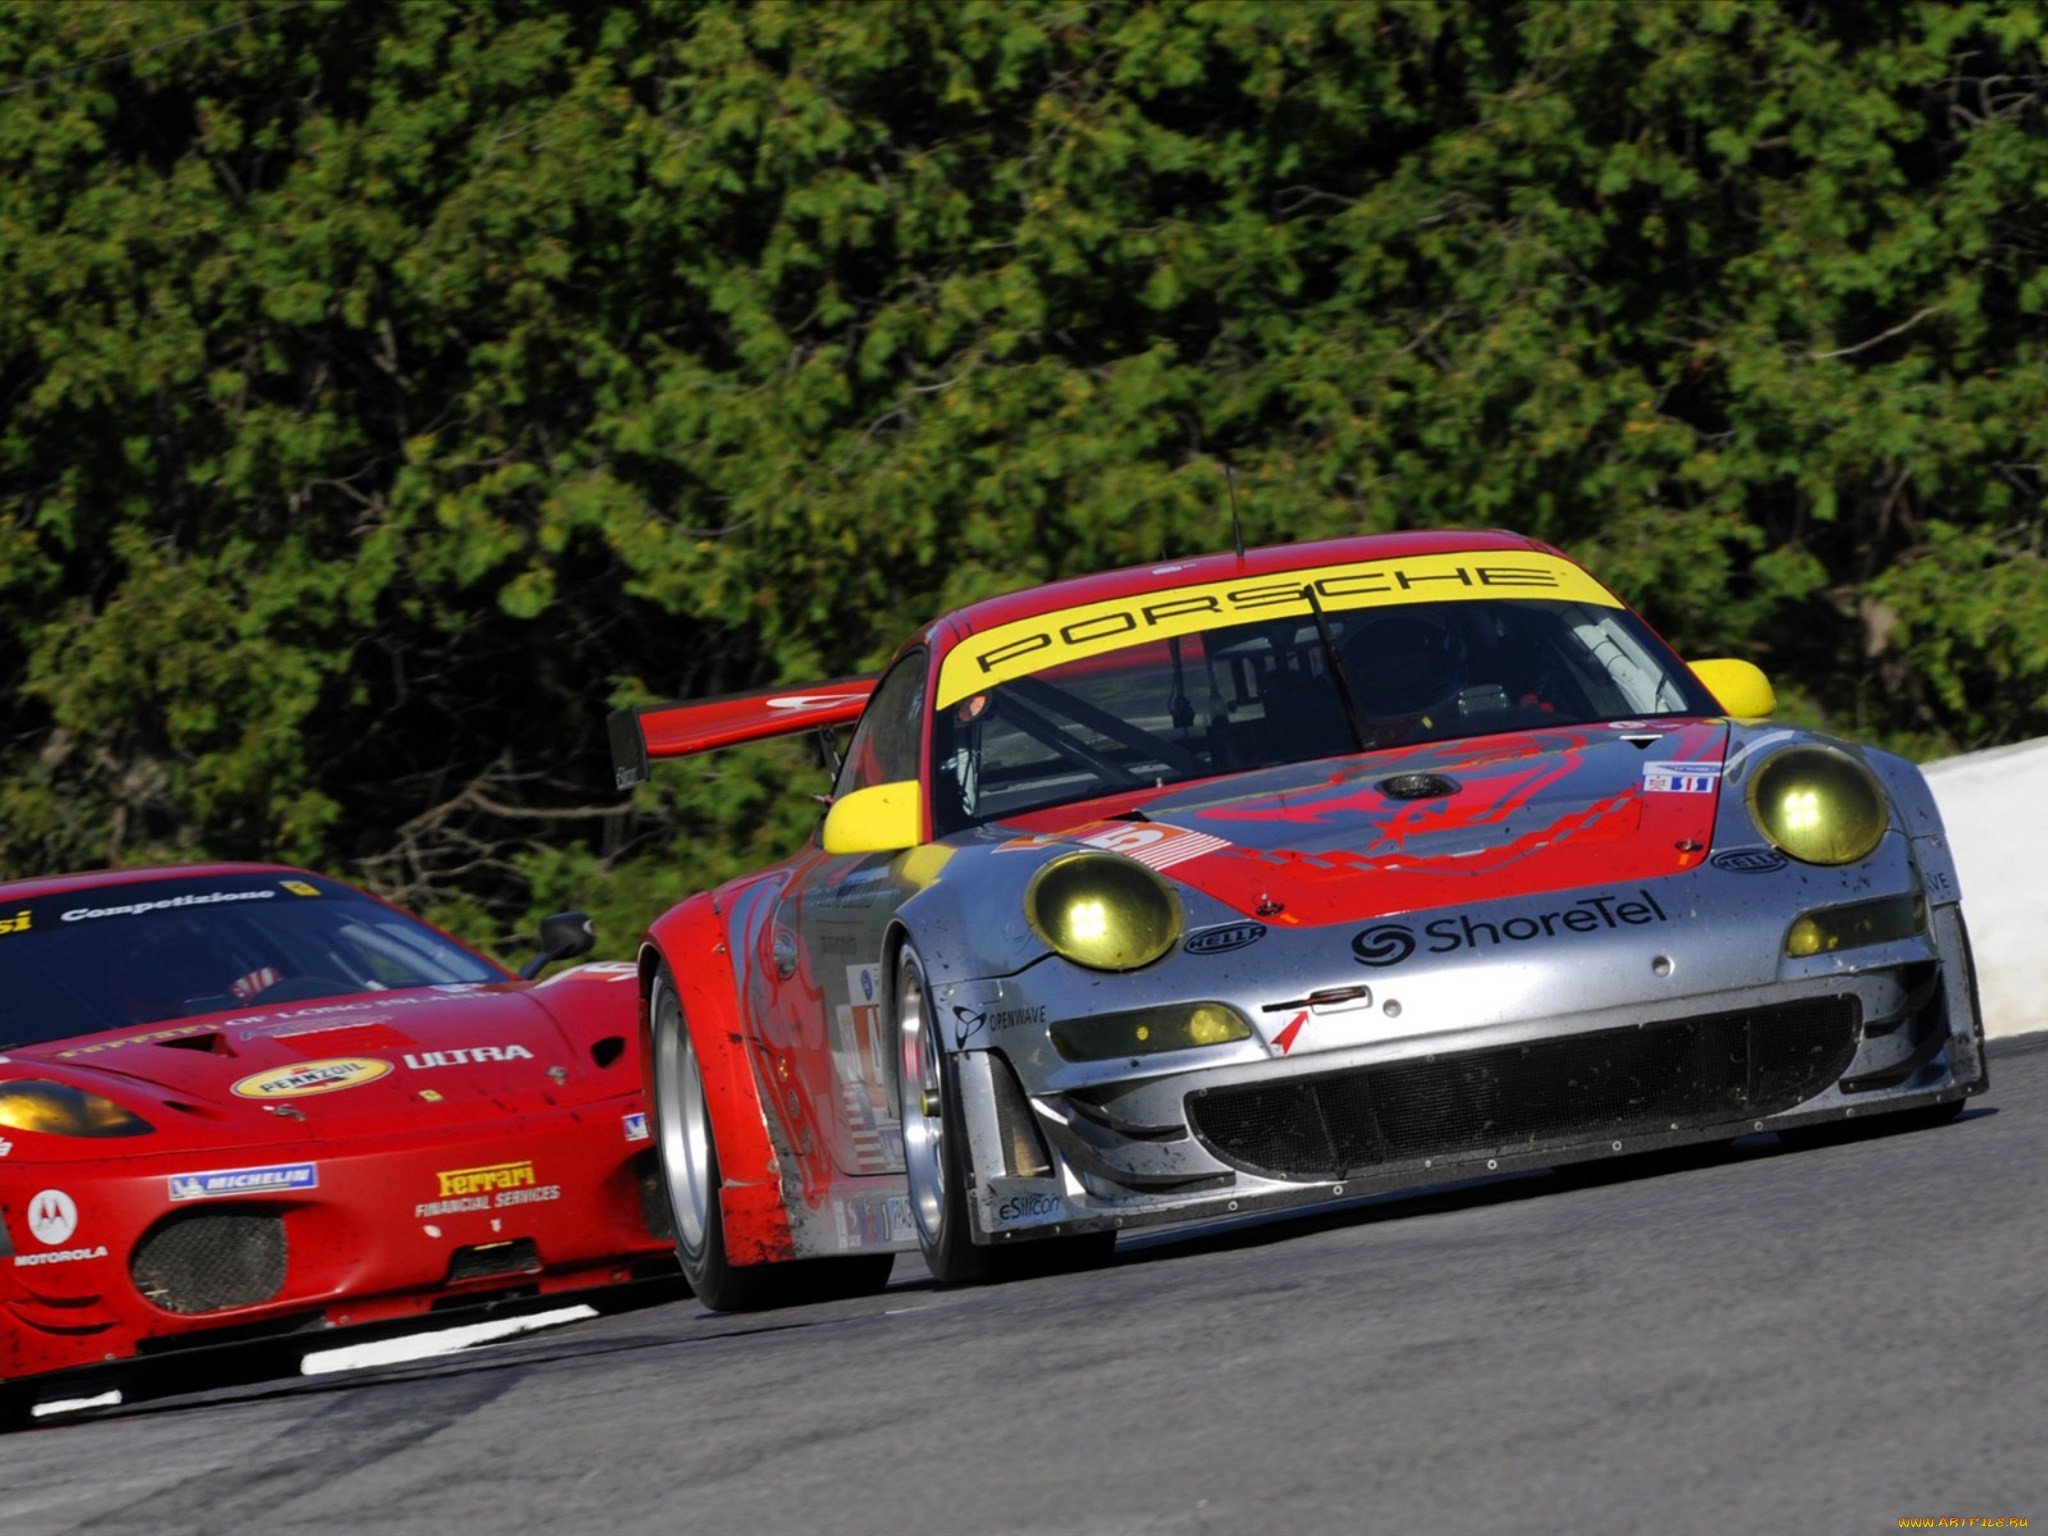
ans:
x=1024 y=646
x=306 y=1078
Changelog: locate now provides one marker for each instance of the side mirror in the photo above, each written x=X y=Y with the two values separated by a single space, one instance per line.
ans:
x=1738 y=687
x=883 y=818
x=563 y=936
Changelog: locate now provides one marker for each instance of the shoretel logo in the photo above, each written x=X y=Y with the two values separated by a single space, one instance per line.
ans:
x=1386 y=944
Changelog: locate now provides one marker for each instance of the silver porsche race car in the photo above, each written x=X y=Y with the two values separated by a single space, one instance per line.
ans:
x=1264 y=879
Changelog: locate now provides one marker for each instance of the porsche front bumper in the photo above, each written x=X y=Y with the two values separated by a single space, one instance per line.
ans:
x=1899 y=1030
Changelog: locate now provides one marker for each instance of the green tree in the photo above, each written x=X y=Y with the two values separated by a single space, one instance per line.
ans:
x=392 y=388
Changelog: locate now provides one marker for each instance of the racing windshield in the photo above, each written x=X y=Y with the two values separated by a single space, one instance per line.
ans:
x=1230 y=693
x=111 y=956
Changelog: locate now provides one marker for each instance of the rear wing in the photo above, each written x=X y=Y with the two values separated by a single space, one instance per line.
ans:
x=701 y=725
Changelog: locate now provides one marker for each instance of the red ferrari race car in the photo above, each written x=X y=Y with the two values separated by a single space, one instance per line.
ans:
x=241 y=1102
x=1253 y=881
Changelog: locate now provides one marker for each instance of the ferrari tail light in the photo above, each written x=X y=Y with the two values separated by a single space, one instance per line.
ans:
x=60 y=1109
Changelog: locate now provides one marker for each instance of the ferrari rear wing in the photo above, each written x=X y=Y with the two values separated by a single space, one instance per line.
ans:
x=700 y=725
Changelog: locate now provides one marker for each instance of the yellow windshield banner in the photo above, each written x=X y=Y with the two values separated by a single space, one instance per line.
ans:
x=1094 y=629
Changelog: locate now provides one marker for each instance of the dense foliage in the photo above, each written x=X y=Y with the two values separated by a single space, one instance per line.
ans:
x=391 y=388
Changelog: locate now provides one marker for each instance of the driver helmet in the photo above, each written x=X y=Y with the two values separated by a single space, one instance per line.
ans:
x=172 y=970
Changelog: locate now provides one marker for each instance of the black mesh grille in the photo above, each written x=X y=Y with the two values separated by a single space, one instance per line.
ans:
x=1537 y=1097
x=209 y=1261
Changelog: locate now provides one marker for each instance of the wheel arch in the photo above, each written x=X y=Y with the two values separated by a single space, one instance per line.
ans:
x=694 y=942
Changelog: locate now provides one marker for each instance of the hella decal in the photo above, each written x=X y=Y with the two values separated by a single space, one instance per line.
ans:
x=1749 y=861
x=466 y=1056
x=244 y=1181
x=1215 y=941
x=1386 y=944
x=306 y=1078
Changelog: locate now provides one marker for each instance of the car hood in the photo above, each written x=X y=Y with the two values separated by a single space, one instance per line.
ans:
x=1437 y=824
x=340 y=1066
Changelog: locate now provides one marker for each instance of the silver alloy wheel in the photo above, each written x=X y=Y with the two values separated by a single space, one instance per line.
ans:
x=922 y=1080
x=684 y=1125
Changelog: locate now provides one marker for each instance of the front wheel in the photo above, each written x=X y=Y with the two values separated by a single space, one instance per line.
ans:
x=934 y=1140
x=689 y=1160
x=936 y=1160
x=688 y=1150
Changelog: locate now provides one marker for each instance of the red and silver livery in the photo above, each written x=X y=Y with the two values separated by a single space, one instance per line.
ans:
x=1266 y=879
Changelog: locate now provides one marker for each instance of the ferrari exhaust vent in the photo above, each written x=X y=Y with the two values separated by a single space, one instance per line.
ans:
x=481 y=1261
x=211 y=1261
x=656 y=1214
x=1547 y=1095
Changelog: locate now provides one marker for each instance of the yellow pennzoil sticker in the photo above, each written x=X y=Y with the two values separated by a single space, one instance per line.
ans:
x=306 y=1078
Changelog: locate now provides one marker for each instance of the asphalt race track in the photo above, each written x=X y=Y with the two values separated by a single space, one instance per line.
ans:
x=1823 y=1340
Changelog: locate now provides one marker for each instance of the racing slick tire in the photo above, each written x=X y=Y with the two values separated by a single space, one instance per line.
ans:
x=934 y=1137
x=687 y=1148
x=935 y=1159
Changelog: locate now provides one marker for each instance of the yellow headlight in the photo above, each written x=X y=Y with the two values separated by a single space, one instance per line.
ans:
x=1857 y=925
x=1147 y=1031
x=59 y=1109
x=1103 y=911
x=1819 y=805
